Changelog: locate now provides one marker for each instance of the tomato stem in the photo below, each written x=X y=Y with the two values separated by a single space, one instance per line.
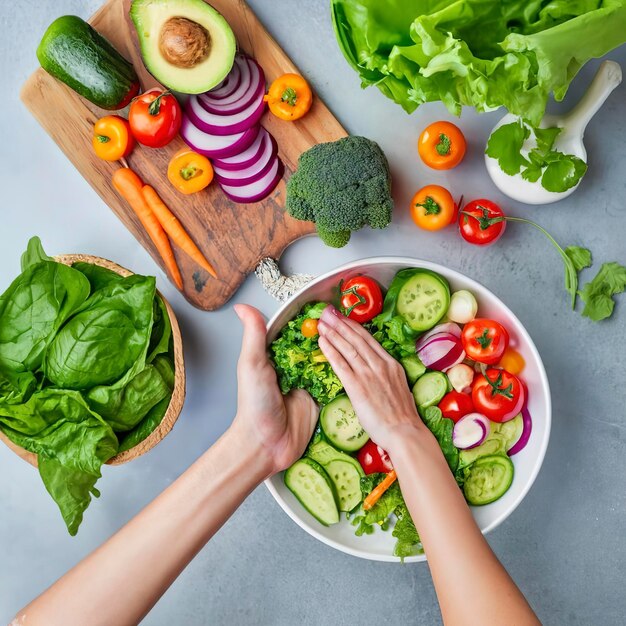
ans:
x=354 y=292
x=431 y=207
x=497 y=389
x=155 y=105
x=484 y=341
x=189 y=172
x=443 y=145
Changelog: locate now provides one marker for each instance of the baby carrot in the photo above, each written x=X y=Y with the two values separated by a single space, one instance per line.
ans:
x=379 y=490
x=128 y=185
x=175 y=229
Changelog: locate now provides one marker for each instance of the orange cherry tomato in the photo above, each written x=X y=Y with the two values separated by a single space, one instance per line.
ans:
x=441 y=145
x=512 y=361
x=309 y=328
x=289 y=97
x=433 y=208
x=112 y=139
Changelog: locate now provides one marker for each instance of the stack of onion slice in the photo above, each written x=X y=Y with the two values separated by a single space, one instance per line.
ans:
x=223 y=124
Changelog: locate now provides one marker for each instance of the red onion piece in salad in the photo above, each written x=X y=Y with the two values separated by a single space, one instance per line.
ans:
x=526 y=431
x=440 y=351
x=470 y=431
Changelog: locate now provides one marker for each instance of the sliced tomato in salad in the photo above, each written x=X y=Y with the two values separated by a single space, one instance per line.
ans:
x=484 y=340
x=361 y=299
x=455 y=405
x=374 y=459
x=498 y=394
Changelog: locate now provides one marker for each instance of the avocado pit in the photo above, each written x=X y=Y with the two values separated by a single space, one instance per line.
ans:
x=184 y=43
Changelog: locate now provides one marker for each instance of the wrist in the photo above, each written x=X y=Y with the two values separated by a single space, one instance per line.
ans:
x=250 y=449
x=406 y=438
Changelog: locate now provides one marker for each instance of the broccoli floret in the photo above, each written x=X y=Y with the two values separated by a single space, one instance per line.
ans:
x=334 y=239
x=341 y=186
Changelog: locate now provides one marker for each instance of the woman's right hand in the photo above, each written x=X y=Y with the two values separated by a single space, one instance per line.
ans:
x=374 y=381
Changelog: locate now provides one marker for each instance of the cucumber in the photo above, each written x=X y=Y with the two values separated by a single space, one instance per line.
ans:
x=511 y=430
x=423 y=300
x=429 y=389
x=494 y=444
x=344 y=471
x=413 y=367
x=347 y=481
x=311 y=485
x=341 y=426
x=489 y=479
x=77 y=55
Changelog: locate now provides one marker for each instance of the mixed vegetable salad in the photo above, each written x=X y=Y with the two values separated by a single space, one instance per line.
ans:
x=465 y=379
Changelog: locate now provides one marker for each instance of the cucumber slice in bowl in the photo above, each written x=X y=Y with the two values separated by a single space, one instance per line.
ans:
x=489 y=479
x=430 y=389
x=347 y=481
x=311 y=485
x=423 y=300
x=341 y=425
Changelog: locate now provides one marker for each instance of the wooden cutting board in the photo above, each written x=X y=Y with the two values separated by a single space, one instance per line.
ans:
x=234 y=237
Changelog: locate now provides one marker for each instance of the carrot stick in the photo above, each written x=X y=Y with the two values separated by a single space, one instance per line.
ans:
x=175 y=229
x=379 y=490
x=128 y=185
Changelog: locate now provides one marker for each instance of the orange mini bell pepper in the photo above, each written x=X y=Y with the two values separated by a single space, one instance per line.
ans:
x=189 y=171
x=112 y=139
x=289 y=97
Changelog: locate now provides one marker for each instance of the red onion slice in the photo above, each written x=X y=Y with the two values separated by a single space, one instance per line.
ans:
x=224 y=124
x=216 y=146
x=250 y=77
x=246 y=158
x=228 y=85
x=440 y=351
x=527 y=430
x=449 y=327
x=248 y=175
x=259 y=189
x=470 y=431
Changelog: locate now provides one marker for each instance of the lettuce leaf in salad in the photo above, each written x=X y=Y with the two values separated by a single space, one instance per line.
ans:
x=479 y=53
x=391 y=503
x=298 y=360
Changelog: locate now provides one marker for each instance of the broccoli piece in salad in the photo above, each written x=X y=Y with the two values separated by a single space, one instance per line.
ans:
x=342 y=186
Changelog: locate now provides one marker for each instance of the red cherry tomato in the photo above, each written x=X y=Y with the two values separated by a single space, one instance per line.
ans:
x=484 y=340
x=476 y=223
x=155 y=118
x=455 y=405
x=498 y=394
x=374 y=459
x=361 y=299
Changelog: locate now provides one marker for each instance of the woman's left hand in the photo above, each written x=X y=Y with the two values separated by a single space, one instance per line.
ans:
x=279 y=426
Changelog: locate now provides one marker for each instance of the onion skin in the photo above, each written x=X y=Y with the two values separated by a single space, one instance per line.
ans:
x=526 y=432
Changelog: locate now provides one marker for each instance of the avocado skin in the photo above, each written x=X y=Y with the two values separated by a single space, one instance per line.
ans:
x=77 y=55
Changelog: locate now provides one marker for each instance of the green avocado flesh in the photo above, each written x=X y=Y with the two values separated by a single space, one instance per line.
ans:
x=185 y=44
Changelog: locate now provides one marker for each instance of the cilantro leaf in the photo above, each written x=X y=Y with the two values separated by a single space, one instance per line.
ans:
x=505 y=145
x=546 y=137
x=580 y=257
x=563 y=172
x=597 y=294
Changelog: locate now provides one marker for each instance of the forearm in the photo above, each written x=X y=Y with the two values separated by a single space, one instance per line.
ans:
x=471 y=584
x=121 y=581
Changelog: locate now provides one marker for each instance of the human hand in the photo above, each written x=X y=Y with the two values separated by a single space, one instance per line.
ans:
x=374 y=381
x=279 y=426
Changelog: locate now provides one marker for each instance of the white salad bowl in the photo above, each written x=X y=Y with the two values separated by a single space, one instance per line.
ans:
x=379 y=546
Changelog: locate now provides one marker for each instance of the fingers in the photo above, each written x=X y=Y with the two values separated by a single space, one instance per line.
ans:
x=253 y=350
x=340 y=365
x=350 y=338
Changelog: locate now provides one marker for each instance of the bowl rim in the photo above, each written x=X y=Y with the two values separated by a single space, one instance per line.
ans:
x=525 y=336
x=177 y=400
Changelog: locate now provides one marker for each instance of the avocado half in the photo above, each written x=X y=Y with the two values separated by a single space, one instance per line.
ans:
x=185 y=44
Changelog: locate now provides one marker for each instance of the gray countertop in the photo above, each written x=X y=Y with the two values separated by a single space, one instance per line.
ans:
x=564 y=545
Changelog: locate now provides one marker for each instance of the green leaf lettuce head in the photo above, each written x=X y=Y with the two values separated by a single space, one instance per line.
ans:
x=86 y=361
x=479 y=53
x=299 y=362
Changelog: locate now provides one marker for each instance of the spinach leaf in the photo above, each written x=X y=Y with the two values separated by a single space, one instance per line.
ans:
x=441 y=427
x=107 y=340
x=34 y=307
x=154 y=417
x=71 y=442
x=15 y=386
x=97 y=275
x=123 y=408
x=34 y=254
x=161 y=331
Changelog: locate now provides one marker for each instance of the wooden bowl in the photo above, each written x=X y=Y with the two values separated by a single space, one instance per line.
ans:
x=178 y=394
